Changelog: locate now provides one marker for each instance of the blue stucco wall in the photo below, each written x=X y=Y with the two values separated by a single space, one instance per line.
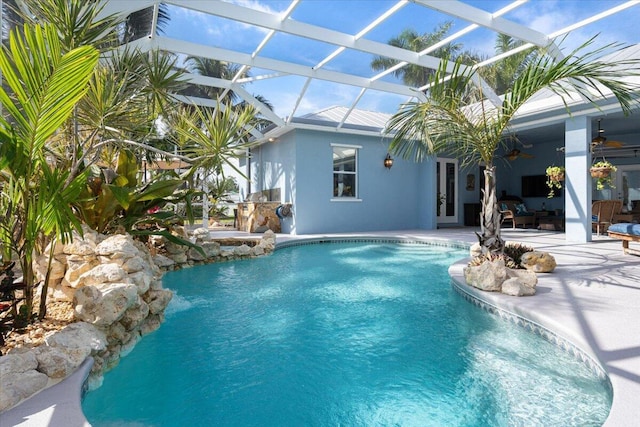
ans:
x=301 y=164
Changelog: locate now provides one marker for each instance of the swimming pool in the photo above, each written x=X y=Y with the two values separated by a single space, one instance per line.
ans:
x=341 y=334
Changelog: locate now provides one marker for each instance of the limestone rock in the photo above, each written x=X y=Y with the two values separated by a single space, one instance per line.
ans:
x=117 y=246
x=180 y=258
x=117 y=334
x=475 y=250
x=526 y=277
x=158 y=300
x=142 y=280
x=196 y=255
x=150 y=324
x=134 y=264
x=59 y=362
x=211 y=249
x=19 y=386
x=103 y=273
x=242 y=250
x=515 y=287
x=79 y=335
x=201 y=234
x=538 y=261
x=79 y=247
x=17 y=362
x=163 y=261
x=487 y=276
x=106 y=305
x=135 y=315
x=257 y=250
x=75 y=269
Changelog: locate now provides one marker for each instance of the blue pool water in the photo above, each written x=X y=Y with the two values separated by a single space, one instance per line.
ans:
x=342 y=334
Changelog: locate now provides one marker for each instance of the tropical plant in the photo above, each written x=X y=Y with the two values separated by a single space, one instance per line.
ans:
x=446 y=122
x=601 y=171
x=43 y=86
x=555 y=176
x=501 y=74
x=416 y=75
x=214 y=68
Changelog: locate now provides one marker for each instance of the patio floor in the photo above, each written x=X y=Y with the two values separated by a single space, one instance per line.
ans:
x=592 y=299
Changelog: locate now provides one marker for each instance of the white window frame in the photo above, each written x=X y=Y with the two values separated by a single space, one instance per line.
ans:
x=355 y=197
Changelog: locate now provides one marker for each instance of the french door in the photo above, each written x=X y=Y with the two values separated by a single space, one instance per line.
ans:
x=447 y=190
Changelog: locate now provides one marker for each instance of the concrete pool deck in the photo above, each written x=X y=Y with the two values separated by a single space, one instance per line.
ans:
x=592 y=300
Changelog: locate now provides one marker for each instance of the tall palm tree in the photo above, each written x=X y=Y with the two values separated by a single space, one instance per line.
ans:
x=473 y=132
x=214 y=68
x=416 y=75
x=500 y=75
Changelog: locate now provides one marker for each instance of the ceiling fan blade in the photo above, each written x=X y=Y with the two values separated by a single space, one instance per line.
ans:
x=614 y=144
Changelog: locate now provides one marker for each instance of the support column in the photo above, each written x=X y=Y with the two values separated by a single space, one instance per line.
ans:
x=577 y=201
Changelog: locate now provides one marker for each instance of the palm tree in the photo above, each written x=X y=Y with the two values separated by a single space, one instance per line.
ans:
x=500 y=75
x=214 y=68
x=416 y=75
x=43 y=89
x=473 y=132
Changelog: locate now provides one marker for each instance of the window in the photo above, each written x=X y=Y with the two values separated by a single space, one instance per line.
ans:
x=345 y=176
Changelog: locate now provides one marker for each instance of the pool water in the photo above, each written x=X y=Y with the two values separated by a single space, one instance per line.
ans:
x=350 y=334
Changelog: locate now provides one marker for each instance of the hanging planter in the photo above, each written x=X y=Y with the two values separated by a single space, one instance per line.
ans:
x=602 y=172
x=555 y=176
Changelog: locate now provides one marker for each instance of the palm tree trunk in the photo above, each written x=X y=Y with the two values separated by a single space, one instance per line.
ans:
x=489 y=236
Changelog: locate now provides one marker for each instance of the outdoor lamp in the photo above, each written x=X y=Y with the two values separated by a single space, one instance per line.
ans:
x=388 y=161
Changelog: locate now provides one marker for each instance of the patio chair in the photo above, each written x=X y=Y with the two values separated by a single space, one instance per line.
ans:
x=517 y=213
x=602 y=212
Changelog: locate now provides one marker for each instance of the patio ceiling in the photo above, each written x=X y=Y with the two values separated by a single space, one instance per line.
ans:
x=286 y=44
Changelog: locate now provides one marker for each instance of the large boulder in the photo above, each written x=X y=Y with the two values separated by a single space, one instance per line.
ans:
x=157 y=299
x=487 y=276
x=19 y=378
x=538 y=261
x=103 y=273
x=520 y=283
x=104 y=305
x=117 y=246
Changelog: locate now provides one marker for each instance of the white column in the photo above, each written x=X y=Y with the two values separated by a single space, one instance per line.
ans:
x=577 y=201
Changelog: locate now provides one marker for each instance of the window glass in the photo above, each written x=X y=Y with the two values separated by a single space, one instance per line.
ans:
x=344 y=171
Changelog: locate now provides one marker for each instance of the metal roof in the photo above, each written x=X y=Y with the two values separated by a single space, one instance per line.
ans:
x=287 y=43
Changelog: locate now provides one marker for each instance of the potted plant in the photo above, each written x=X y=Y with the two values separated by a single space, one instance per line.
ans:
x=555 y=176
x=602 y=172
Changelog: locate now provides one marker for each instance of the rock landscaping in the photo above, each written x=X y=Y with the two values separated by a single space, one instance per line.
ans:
x=105 y=294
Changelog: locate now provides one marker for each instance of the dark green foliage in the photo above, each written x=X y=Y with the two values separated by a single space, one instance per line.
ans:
x=516 y=250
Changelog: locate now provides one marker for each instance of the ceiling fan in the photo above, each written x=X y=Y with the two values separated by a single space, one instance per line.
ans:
x=516 y=153
x=601 y=140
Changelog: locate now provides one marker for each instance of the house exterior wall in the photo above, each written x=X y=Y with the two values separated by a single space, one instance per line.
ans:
x=301 y=164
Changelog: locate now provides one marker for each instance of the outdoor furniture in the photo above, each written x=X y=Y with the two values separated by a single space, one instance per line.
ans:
x=602 y=213
x=626 y=232
x=517 y=213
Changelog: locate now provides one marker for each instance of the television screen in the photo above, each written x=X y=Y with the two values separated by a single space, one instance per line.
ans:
x=536 y=186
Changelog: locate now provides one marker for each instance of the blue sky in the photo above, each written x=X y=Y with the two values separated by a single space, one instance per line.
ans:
x=351 y=16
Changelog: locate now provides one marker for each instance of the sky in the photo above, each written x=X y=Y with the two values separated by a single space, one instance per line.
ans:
x=351 y=16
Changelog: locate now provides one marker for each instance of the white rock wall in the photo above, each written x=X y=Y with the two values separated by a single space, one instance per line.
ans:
x=115 y=285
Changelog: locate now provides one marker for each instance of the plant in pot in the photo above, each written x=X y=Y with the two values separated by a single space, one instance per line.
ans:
x=555 y=176
x=602 y=172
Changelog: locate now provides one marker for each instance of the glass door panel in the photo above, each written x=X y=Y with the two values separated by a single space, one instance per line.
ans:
x=447 y=194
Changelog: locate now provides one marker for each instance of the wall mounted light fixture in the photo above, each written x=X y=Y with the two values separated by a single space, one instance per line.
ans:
x=388 y=161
